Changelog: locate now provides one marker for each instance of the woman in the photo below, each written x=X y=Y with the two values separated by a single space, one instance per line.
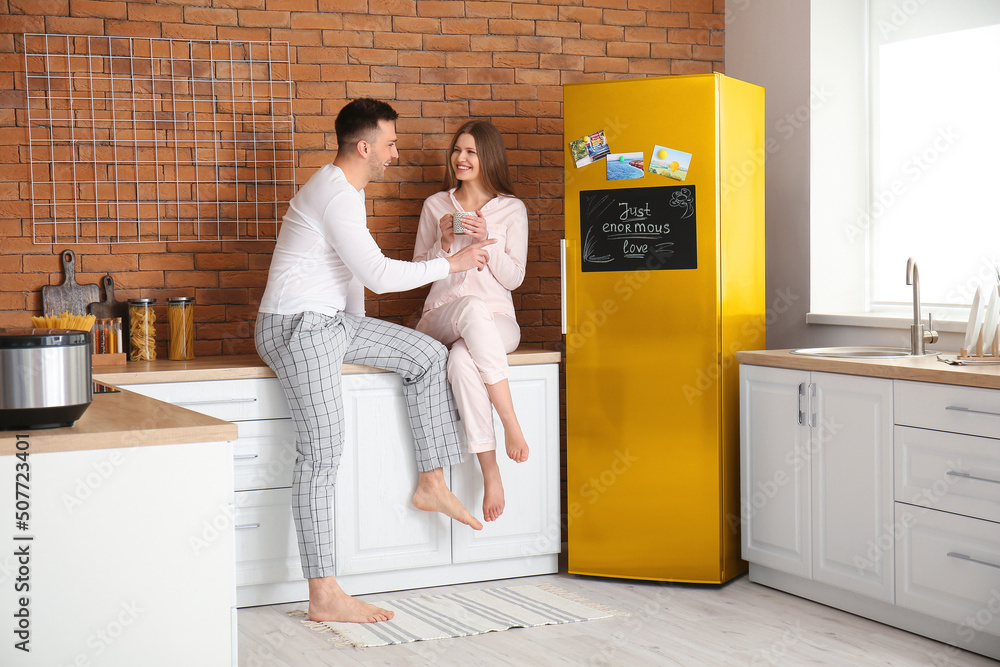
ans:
x=473 y=313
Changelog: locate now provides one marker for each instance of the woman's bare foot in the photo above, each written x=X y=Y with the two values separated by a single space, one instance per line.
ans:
x=433 y=495
x=328 y=602
x=493 y=500
x=517 y=446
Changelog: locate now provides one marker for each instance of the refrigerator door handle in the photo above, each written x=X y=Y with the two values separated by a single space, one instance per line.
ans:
x=562 y=282
x=802 y=400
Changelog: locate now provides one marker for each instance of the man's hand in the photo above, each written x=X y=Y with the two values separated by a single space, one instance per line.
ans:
x=472 y=256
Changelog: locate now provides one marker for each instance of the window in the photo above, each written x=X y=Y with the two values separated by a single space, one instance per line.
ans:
x=904 y=141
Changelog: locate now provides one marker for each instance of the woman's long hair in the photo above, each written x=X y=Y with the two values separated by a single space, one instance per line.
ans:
x=492 y=158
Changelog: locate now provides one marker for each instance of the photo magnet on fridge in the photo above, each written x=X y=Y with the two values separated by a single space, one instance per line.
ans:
x=670 y=162
x=590 y=148
x=622 y=166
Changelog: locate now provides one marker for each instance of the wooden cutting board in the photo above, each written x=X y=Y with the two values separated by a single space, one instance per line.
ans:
x=70 y=296
x=109 y=306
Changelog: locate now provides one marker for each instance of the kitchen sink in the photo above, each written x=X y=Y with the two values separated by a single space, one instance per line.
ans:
x=856 y=352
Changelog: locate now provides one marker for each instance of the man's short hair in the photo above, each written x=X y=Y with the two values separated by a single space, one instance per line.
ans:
x=359 y=120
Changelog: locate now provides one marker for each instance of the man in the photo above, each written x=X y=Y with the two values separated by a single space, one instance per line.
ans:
x=311 y=320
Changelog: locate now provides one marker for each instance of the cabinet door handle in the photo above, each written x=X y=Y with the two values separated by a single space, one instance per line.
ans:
x=966 y=475
x=802 y=400
x=954 y=554
x=217 y=402
x=244 y=457
x=956 y=408
x=244 y=526
x=813 y=405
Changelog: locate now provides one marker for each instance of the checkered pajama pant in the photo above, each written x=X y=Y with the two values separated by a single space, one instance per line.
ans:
x=306 y=351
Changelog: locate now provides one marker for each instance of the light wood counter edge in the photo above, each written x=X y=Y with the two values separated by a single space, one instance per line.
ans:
x=123 y=419
x=918 y=369
x=249 y=366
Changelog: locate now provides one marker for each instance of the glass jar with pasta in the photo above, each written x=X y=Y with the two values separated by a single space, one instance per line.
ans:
x=142 y=329
x=180 y=317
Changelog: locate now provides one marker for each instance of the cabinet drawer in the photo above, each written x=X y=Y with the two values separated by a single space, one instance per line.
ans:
x=231 y=400
x=948 y=567
x=266 y=546
x=947 y=471
x=264 y=454
x=941 y=407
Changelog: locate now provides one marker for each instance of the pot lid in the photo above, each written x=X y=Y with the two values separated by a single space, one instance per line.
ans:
x=17 y=338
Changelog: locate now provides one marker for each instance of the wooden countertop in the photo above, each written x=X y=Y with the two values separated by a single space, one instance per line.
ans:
x=127 y=419
x=920 y=369
x=238 y=367
x=123 y=419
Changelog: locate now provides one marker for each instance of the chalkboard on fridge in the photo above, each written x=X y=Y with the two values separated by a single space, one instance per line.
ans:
x=639 y=229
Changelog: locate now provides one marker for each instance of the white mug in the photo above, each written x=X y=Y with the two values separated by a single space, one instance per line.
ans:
x=456 y=221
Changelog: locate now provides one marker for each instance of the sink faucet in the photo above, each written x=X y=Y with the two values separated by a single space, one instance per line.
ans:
x=918 y=336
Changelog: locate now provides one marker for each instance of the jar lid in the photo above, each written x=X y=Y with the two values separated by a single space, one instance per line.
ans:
x=142 y=302
x=180 y=299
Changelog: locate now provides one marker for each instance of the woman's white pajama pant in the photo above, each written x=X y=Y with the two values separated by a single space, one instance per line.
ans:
x=479 y=340
x=306 y=352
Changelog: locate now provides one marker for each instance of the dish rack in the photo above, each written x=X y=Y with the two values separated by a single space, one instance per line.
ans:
x=984 y=330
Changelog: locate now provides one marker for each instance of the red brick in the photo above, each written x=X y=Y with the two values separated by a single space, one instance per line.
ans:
x=241 y=34
x=70 y=25
x=422 y=58
x=536 y=12
x=560 y=62
x=188 y=31
x=406 y=91
x=708 y=21
x=492 y=109
x=159 y=13
x=351 y=6
x=607 y=33
x=367 y=22
x=446 y=75
x=683 y=36
x=448 y=43
x=628 y=50
x=557 y=28
x=539 y=44
x=100 y=9
x=469 y=59
x=464 y=26
x=708 y=52
x=511 y=27
x=515 y=60
x=208 y=16
x=682 y=51
x=393 y=7
x=251 y=18
x=474 y=92
x=323 y=21
x=278 y=5
x=322 y=55
x=692 y=6
x=357 y=56
x=398 y=41
x=584 y=47
x=42 y=7
x=654 y=67
x=440 y=8
x=342 y=38
x=488 y=8
x=489 y=75
x=424 y=26
x=395 y=74
x=667 y=20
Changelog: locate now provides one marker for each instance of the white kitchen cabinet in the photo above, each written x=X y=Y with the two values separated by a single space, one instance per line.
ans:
x=377 y=526
x=382 y=542
x=530 y=521
x=816 y=471
x=898 y=515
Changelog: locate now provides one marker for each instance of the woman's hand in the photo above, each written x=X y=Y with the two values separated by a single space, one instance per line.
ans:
x=475 y=227
x=447 y=232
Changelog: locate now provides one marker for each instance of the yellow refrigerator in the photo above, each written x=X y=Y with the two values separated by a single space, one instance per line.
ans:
x=663 y=277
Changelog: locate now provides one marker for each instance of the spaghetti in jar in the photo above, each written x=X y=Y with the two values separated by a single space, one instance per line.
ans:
x=180 y=316
x=142 y=329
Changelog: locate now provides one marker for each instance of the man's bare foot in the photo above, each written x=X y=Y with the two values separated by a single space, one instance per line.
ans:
x=493 y=499
x=517 y=446
x=433 y=495
x=328 y=602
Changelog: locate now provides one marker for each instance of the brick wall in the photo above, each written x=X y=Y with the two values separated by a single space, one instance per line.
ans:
x=439 y=62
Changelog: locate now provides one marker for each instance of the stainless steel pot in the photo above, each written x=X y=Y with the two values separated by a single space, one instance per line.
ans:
x=45 y=377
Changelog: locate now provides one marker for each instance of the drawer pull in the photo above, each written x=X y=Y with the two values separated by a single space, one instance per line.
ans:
x=218 y=402
x=953 y=554
x=802 y=398
x=245 y=526
x=966 y=475
x=244 y=457
x=957 y=408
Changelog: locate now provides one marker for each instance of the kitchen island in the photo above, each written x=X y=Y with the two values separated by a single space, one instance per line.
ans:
x=872 y=486
x=119 y=537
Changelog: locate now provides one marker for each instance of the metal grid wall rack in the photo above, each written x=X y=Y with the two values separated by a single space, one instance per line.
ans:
x=143 y=140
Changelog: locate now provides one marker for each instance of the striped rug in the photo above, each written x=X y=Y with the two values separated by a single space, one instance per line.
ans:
x=462 y=614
